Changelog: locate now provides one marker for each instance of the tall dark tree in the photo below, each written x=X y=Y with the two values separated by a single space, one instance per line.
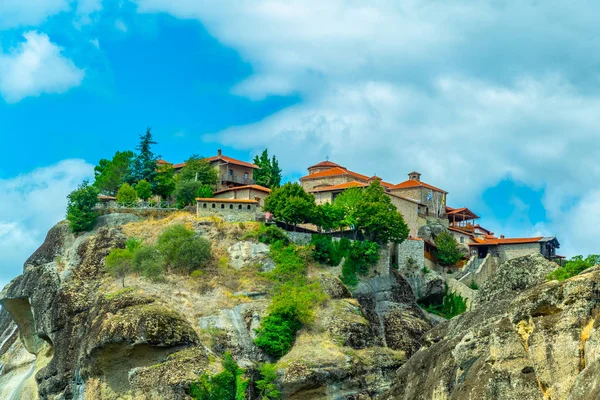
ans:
x=111 y=174
x=145 y=162
x=269 y=173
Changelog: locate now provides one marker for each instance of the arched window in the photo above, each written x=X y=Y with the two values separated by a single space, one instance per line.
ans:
x=249 y=207
x=204 y=205
x=240 y=207
x=231 y=206
x=222 y=205
x=214 y=205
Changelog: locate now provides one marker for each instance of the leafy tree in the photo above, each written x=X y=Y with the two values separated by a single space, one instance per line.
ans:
x=574 y=266
x=291 y=204
x=347 y=204
x=81 y=212
x=187 y=191
x=205 y=192
x=127 y=194
x=119 y=262
x=145 y=161
x=269 y=173
x=330 y=216
x=143 y=190
x=164 y=181
x=448 y=252
x=227 y=385
x=148 y=261
x=266 y=385
x=111 y=174
x=182 y=251
x=199 y=169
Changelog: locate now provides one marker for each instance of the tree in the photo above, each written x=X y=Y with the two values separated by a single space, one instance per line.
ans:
x=447 y=252
x=269 y=173
x=182 y=250
x=144 y=163
x=119 y=263
x=111 y=174
x=330 y=216
x=81 y=212
x=348 y=203
x=187 y=191
x=164 y=181
x=143 y=189
x=291 y=204
x=199 y=169
x=127 y=194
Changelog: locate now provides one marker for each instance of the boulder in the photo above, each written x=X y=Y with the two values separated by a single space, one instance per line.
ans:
x=246 y=253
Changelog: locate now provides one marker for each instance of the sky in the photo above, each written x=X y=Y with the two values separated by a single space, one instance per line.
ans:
x=497 y=101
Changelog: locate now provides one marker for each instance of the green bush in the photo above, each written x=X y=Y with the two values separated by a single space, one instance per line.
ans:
x=268 y=234
x=289 y=264
x=148 y=262
x=227 y=385
x=447 y=252
x=143 y=189
x=181 y=250
x=187 y=191
x=170 y=239
x=81 y=212
x=328 y=251
x=127 y=194
x=277 y=334
x=266 y=385
x=362 y=256
x=473 y=285
x=119 y=263
x=453 y=304
x=574 y=266
x=425 y=270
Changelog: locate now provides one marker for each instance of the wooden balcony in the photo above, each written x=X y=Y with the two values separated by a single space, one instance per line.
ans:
x=237 y=179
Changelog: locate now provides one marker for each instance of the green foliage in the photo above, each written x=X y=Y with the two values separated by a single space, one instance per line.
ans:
x=268 y=234
x=291 y=204
x=361 y=256
x=453 y=304
x=269 y=173
x=330 y=216
x=327 y=251
x=81 y=212
x=182 y=251
x=143 y=190
x=411 y=264
x=186 y=191
x=289 y=264
x=267 y=384
x=127 y=194
x=371 y=212
x=119 y=263
x=147 y=261
x=447 y=252
x=198 y=169
x=145 y=161
x=277 y=334
x=473 y=285
x=164 y=181
x=425 y=270
x=227 y=385
x=205 y=192
x=109 y=175
x=574 y=266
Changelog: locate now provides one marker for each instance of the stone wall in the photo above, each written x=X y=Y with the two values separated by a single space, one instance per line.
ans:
x=230 y=212
x=511 y=251
x=410 y=212
x=411 y=248
x=310 y=184
x=300 y=238
x=243 y=194
x=323 y=197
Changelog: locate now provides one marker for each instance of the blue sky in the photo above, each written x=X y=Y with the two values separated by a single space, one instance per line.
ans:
x=496 y=102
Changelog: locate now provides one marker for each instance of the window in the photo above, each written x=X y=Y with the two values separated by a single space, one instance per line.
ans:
x=214 y=205
x=462 y=239
x=249 y=207
x=231 y=206
x=240 y=207
x=245 y=175
x=222 y=205
x=204 y=205
x=230 y=172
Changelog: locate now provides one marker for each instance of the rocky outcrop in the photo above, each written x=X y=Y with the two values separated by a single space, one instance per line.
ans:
x=540 y=344
x=246 y=253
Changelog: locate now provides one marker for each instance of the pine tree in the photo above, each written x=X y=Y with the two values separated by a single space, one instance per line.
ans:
x=144 y=164
x=269 y=173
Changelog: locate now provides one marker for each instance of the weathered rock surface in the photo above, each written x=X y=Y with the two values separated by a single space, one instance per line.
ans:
x=540 y=344
x=246 y=253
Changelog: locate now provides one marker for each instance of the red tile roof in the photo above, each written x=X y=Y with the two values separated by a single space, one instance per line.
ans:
x=326 y=164
x=341 y=186
x=337 y=171
x=497 y=241
x=413 y=183
x=231 y=161
x=213 y=200
x=255 y=187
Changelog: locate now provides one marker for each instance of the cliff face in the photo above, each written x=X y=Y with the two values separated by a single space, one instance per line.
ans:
x=67 y=330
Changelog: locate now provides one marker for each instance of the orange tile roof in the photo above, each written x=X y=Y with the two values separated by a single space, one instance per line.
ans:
x=337 y=171
x=413 y=183
x=460 y=231
x=232 y=161
x=326 y=164
x=255 y=187
x=341 y=186
x=499 y=241
x=213 y=200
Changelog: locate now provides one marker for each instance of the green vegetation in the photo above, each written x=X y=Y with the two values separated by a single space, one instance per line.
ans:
x=164 y=181
x=111 y=174
x=81 y=212
x=473 y=285
x=145 y=161
x=294 y=301
x=119 y=262
x=574 y=266
x=291 y=204
x=361 y=256
x=143 y=190
x=327 y=251
x=269 y=173
x=198 y=169
x=447 y=252
x=229 y=384
x=186 y=192
x=266 y=385
x=268 y=234
x=453 y=304
x=148 y=262
x=182 y=251
x=127 y=194
x=425 y=270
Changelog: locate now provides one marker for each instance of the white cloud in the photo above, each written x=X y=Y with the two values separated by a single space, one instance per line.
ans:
x=14 y=13
x=35 y=67
x=468 y=94
x=30 y=205
x=120 y=25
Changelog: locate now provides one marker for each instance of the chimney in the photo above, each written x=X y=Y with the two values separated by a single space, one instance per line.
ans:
x=414 y=176
x=501 y=236
x=219 y=152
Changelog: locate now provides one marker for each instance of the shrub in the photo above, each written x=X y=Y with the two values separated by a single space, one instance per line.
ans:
x=205 y=192
x=268 y=234
x=289 y=265
x=266 y=385
x=324 y=250
x=425 y=270
x=473 y=285
x=126 y=194
x=143 y=189
x=148 y=262
x=181 y=250
x=227 y=385
x=81 y=212
x=187 y=191
x=277 y=334
x=118 y=263
x=453 y=304
x=573 y=267
x=447 y=252
x=361 y=257
x=171 y=238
